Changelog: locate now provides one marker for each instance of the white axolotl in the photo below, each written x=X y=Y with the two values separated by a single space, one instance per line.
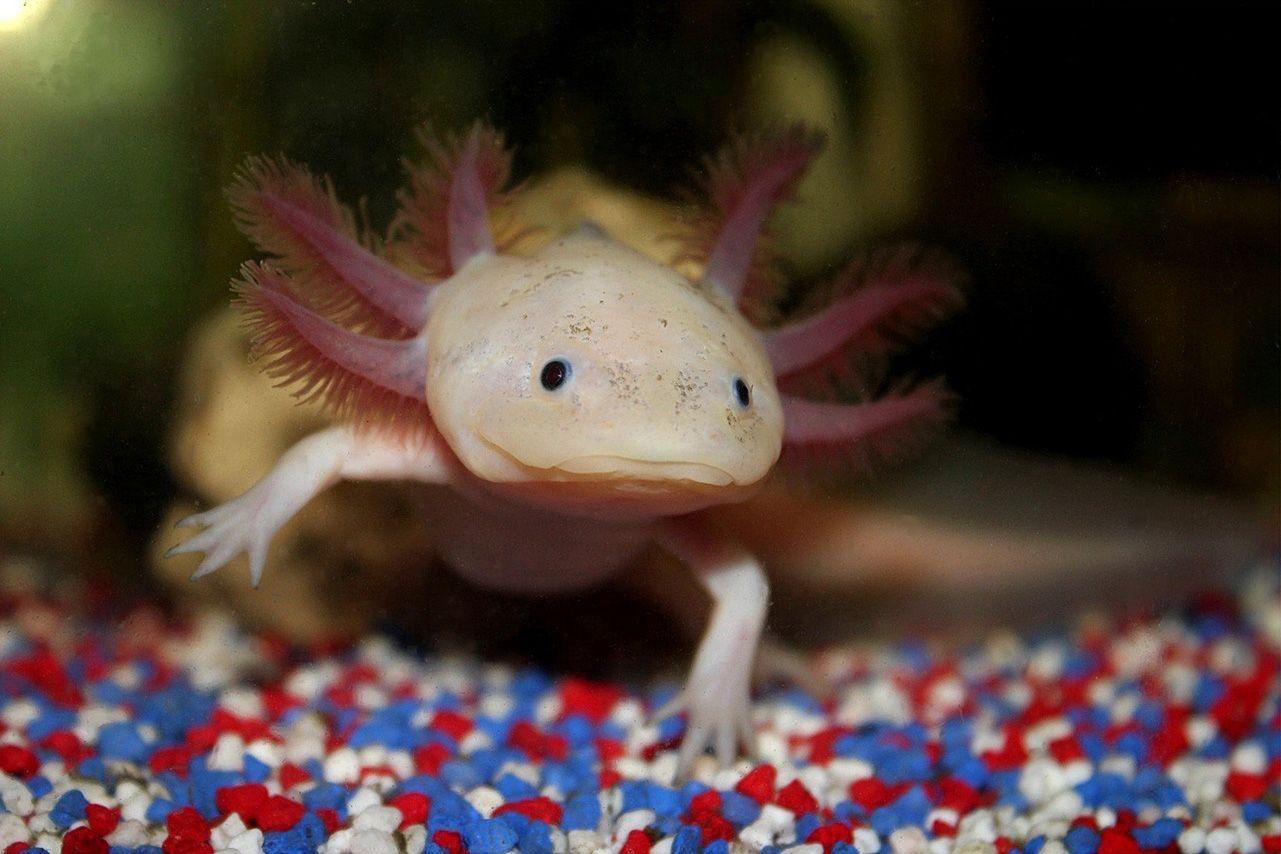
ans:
x=583 y=402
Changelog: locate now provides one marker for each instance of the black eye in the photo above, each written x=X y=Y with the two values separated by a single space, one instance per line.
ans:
x=554 y=374
x=742 y=393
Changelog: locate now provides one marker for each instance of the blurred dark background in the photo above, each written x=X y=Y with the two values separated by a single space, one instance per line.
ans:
x=1106 y=173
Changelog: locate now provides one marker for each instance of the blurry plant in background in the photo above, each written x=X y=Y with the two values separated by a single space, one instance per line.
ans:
x=1113 y=191
x=96 y=250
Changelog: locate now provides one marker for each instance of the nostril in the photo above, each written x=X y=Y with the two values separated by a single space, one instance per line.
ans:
x=742 y=393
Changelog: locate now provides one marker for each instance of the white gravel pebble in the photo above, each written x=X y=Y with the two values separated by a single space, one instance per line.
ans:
x=1191 y=840
x=908 y=840
x=342 y=766
x=16 y=797
x=12 y=829
x=866 y=840
x=228 y=753
x=129 y=834
x=231 y=827
x=373 y=842
x=380 y=818
x=485 y=799
x=583 y=841
x=364 y=798
x=249 y=842
x=415 y=839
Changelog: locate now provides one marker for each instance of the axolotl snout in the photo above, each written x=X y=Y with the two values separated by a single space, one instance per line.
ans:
x=582 y=402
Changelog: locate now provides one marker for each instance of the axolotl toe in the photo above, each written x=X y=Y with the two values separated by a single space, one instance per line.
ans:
x=583 y=402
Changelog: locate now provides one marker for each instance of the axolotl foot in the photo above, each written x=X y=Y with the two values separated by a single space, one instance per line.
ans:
x=718 y=709
x=717 y=695
x=244 y=524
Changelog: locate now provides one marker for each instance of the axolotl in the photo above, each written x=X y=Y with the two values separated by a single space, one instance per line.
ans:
x=583 y=402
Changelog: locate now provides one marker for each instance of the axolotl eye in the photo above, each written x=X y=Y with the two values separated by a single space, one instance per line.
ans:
x=742 y=394
x=555 y=374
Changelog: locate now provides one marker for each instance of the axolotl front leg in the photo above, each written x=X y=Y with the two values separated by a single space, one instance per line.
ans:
x=248 y=523
x=717 y=692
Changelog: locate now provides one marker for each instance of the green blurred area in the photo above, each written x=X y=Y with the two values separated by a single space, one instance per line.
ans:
x=96 y=245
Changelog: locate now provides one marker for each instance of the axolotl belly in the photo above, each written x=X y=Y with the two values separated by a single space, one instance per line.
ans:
x=582 y=403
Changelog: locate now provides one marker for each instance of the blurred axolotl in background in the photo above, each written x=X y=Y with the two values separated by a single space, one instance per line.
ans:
x=583 y=402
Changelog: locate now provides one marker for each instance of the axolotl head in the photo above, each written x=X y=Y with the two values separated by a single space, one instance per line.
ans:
x=591 y=378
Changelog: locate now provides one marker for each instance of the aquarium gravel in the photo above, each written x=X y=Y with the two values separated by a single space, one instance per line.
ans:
x=143 y=734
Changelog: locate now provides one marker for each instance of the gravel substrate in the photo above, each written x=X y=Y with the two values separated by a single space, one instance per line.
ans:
x=1154 y=734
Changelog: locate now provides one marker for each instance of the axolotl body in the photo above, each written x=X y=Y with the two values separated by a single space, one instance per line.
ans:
x=584 y=402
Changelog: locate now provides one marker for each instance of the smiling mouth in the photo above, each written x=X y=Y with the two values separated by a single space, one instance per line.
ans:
x=641 y=473
x=622 y=468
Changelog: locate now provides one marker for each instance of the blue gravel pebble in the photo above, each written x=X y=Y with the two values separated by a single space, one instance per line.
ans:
x=159 y=810
x=121 y=740
x=686 y=840
x=739 y=809
x=1081 y=840
x=489 y=836
x=1159 y=834
x=39 y=786
x=69 y=809
x=537 y=839
x=663 y=801
x=581 y=813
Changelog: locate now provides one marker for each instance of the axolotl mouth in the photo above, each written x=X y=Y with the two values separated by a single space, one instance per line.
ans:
x=614 y=487
x=621 y=472
x=651 y=471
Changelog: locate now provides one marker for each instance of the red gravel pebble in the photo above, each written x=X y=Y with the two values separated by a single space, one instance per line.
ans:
x=1246 y=787
x=188 y=833
x=828 y=835
x=244 y=800
x=83 y=840
x=870 y=793
x=329 y=818
x=536 y=743
x=429 y=758
x=713 y=826
x=68 y=745
x=758 y=784
x=17 y=761
x=538 y=809
x=592 y=700
x=1114 y=841
x=795 y=797
x=279 y=813
x=705 y=802
x=291 y=775
x=414 y=806
x=637 y=842
x=174 y=759
x=102 y=819
x=186 y=823
x=450 y=723
x=449 y=840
